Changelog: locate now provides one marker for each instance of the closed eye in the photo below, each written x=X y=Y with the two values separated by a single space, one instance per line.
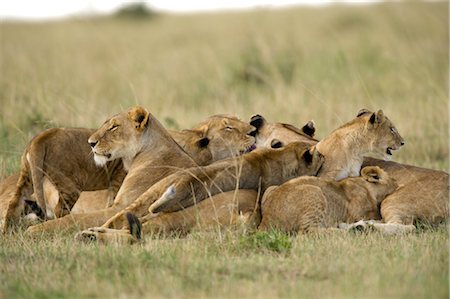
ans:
x=115 y=126
x=228 y=128
x=393 y=130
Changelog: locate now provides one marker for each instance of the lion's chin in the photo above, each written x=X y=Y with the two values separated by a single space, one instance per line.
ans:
x=100 y=160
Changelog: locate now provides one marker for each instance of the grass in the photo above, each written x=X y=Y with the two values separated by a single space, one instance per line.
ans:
x=288 y=65
x=229 y=265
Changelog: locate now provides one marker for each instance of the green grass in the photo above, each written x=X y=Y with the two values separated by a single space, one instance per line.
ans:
x=229 y=265
x=289 y=65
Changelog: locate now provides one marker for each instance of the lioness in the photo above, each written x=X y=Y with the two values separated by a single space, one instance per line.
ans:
x=423 y=194
x=148 y=153
x=310 y=203
x=216 y=138
x=266 y=131
x=63 y=156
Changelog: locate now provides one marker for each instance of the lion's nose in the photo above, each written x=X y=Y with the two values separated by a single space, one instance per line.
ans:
x=402 y=143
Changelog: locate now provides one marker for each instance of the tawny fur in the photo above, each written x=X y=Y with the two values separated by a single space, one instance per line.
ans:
x=345 y=147
x=222 y=210
x=216 y=138
x=310 y=203
x=267 y=133
x=256 y=170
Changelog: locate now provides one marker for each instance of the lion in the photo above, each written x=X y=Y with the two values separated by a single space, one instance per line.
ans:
x=345 y=147
x=423 y=195
x=63 y=156
x=148 y=153
x=288 y=133
x=307 y=204
x=218 y=137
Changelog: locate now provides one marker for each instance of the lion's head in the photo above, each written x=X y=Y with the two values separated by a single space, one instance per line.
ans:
x=195 y=144
x=120 y=136
x=228 y=136
x=276 y=135
x=381 y=184
x=383 y=135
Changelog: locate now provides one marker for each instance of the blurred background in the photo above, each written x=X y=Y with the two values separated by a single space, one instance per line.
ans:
x=75 y=63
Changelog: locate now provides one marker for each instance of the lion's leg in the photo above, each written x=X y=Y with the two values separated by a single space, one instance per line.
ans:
x=139 y=208
x=374 y=225
x=52 y=200
x=226 y=209
x=102 y=235
x=195 y=184
x=393 y=228
x=106 y=236
x=73 y=222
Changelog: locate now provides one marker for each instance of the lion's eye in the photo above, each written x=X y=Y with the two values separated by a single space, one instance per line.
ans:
x=228 y=128
x=115 y=126
x=393 y=131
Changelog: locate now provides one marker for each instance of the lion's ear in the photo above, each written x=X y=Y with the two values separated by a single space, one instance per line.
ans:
x=140 y=116
x=257 y=121
x=203 y=142
x=307 y=156
x=362 y=112
x=276 y=143
x=309 y=129
x=377 y=117
x=372 y=174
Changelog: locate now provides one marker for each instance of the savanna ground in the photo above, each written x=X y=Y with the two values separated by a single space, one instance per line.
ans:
x=289 y=65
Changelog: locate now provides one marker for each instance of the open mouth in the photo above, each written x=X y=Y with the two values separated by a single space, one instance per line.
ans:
x=107 y=156
x=389 y=151
x=248 y=149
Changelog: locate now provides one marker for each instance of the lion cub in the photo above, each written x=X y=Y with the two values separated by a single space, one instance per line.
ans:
x=309 y=203
x=62 y=155
x=344 y=149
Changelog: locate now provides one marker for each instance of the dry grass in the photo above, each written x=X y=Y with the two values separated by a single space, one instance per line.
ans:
x=230 y=265
x=288 y=65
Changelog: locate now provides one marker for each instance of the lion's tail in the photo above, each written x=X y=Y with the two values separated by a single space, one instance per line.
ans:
x=134 y=225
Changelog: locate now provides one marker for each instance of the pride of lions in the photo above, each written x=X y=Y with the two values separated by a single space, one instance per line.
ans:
x=132 y=176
